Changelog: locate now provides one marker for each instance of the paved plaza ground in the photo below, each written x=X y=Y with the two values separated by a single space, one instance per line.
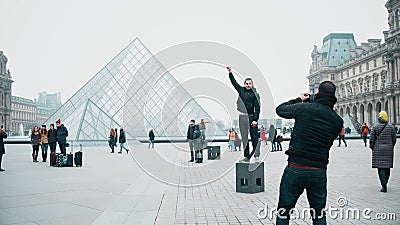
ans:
x=159 y=186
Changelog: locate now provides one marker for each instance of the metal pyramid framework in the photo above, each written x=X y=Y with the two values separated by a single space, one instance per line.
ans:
x=136 y=92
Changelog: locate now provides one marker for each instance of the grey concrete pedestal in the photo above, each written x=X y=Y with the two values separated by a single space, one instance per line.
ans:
x=250 y=177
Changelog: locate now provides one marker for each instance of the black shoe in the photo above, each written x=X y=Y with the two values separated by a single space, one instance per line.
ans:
x=112 y=152
x=191 y=160
x=119 y=152
x=384 y=190
x=1 y=170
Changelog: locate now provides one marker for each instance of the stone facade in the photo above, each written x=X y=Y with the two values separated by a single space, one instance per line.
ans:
x=24 y=114
x=368 y=81
x=5 y=92
x=29 y=113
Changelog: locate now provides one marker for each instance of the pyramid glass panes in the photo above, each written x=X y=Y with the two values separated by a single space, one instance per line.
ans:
x=133 y=91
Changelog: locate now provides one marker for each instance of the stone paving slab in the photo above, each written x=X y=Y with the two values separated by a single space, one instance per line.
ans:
x=349 y=175
x=108 y=189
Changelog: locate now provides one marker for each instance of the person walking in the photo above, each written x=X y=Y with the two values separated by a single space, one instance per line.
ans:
x=364 y=133
x=111 y=140
x=248 y=105
x=382 y=141
x=272 y=137
x=35 y=139
x=232 y=137
x=62 y=134
x=151 y=138
x=3 y=135
x=263 y=135
x=341 y=137
x=44 y=139
x=122 y=141
x=279 y=140
x=316 y=127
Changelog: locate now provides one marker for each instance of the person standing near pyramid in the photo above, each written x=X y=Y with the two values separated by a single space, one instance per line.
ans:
x=62 y=134
x=248 y=105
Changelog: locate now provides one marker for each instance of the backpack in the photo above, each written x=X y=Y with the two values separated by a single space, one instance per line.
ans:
x=196 y=134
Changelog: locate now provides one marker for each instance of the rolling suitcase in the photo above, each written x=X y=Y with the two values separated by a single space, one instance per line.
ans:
x=52 y=159
x=59 y=160
x=68 y=160
x=78 y=157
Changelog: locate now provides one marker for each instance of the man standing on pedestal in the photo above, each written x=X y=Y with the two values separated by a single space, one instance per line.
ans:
x=248 y=105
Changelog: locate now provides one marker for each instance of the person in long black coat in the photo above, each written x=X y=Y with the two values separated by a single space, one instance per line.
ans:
x=122 y=140
x=3 y=135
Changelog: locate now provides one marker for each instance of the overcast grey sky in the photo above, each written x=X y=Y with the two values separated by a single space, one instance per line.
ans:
x=56 y=46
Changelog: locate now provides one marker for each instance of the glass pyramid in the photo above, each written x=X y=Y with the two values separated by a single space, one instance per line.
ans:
x=136 y=92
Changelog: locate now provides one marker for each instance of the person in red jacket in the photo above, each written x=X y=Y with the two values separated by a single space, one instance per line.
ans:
x=364 y=133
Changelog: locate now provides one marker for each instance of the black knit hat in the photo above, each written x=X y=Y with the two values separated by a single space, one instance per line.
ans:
x=327 y=87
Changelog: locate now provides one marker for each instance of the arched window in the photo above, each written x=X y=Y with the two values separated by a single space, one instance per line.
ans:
x=397 y=19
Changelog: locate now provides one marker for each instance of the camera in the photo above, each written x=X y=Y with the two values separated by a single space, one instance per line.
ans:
x=310 y=98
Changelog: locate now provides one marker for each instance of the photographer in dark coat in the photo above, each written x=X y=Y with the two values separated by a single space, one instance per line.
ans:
x=316 y=127
x=62 y=134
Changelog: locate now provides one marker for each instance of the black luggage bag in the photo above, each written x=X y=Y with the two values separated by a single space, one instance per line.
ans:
x=68 y=160
x=78 y=157
x=52 y=159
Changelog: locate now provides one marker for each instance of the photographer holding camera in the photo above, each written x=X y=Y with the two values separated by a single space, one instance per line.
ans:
x=317 y=126
x=3 y=135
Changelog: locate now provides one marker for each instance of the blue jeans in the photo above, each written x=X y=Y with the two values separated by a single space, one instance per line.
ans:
x=293 y=183
x=151 y=142
x=44 y=148
x=232 y=145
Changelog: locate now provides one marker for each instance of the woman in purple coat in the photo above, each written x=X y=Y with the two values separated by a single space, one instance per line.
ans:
x=382 y=141
x=35 y=139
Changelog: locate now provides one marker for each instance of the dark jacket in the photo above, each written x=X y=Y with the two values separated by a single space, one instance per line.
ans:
x=383 y=146
x=190 y=132
x=271 y=133
x=151 y=135
x=52 y=135
x=3 y=135
x=248 y=100
x=316 y=127
x=122 y=138
x=62 y=134
x=35 y=138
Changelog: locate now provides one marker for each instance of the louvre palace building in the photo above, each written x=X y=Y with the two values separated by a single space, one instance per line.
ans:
x=366 y=76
